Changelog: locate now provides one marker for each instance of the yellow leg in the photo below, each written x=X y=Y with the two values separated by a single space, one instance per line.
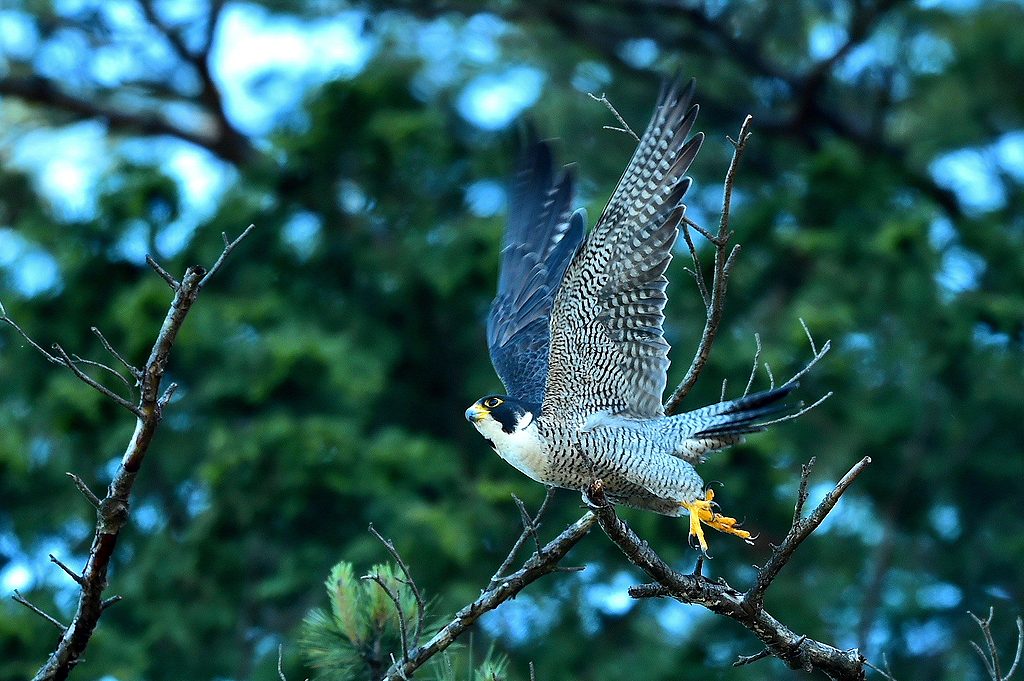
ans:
x=702 y=512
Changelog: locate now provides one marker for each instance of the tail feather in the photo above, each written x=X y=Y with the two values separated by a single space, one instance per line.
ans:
x=720 y=425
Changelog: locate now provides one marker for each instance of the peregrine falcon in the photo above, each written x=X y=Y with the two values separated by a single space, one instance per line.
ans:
x=575 y=334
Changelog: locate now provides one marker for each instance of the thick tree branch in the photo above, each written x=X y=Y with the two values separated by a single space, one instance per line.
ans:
x=798 y=652
x=113 y=510
x=36 y=89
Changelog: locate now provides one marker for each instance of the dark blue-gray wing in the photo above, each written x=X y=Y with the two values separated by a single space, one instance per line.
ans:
x=541 y=238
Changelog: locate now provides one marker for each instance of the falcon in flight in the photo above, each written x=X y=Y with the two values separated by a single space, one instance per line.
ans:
x=575 y=334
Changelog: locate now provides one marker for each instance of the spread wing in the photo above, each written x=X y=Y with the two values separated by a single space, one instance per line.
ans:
x=540 y=240
x=607 y=348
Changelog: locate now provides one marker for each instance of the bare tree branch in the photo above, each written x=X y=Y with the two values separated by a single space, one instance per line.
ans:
x=697 y=272
x=18 y=598
x=753 y=368
x=63 y=359
x=164 y=274
x=990 y=654
x=530 y=526
x=101 y=365
x=798 y=652
x=113 y=509
x=625 y=126
x=800 y=530
x=403 y=625
x=421 y=606
x=84 y=489
x=538 y=565
x=724 y=260
x=228 y=247
x=71 y=573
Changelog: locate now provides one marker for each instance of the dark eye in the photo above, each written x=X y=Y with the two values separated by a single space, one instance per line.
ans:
x=492 y=402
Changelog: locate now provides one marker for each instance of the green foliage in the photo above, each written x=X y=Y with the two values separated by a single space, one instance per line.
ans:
x=355 y=639
x=494 y=667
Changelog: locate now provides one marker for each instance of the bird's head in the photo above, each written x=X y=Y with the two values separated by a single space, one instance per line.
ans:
x=495 y=415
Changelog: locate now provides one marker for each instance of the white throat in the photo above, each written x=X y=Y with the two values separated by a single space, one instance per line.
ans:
x=523 y=448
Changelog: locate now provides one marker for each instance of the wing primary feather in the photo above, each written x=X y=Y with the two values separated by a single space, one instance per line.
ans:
x=540 y=239
x=618 y=276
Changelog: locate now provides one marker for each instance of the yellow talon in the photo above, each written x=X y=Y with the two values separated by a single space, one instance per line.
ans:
x=701 y=512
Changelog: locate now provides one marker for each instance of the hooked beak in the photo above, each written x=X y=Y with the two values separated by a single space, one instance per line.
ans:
x=476 y=413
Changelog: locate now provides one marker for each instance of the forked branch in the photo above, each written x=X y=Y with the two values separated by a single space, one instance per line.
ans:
x=725 y=258
x=990 y=654
x=800 y=530
x=799 y=652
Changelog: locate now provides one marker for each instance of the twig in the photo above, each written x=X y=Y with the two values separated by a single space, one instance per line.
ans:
x=110 y=348
x=991 y=659
x=810 y=365
x=280 y=657
x=1020 y=649
x=421 y=606
x=66 y=360
x=698 y=274
x=107 y=602
x=753 y=369
x=810 y=338
x=747 y=659
x=884 y=672
x=533 y=569
x=801 y=412
x=625 y=126
x=801 y=493
x=166 y=397
x=18 y=598
x=530 y=526
x=403 y=626
x=703 y=232
x=101 y=365
x=71 y=573
x=724 y=261
x=739 y=144
x=799 y=531
x=164 y=274
x=228 y=247
x=84 y=489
